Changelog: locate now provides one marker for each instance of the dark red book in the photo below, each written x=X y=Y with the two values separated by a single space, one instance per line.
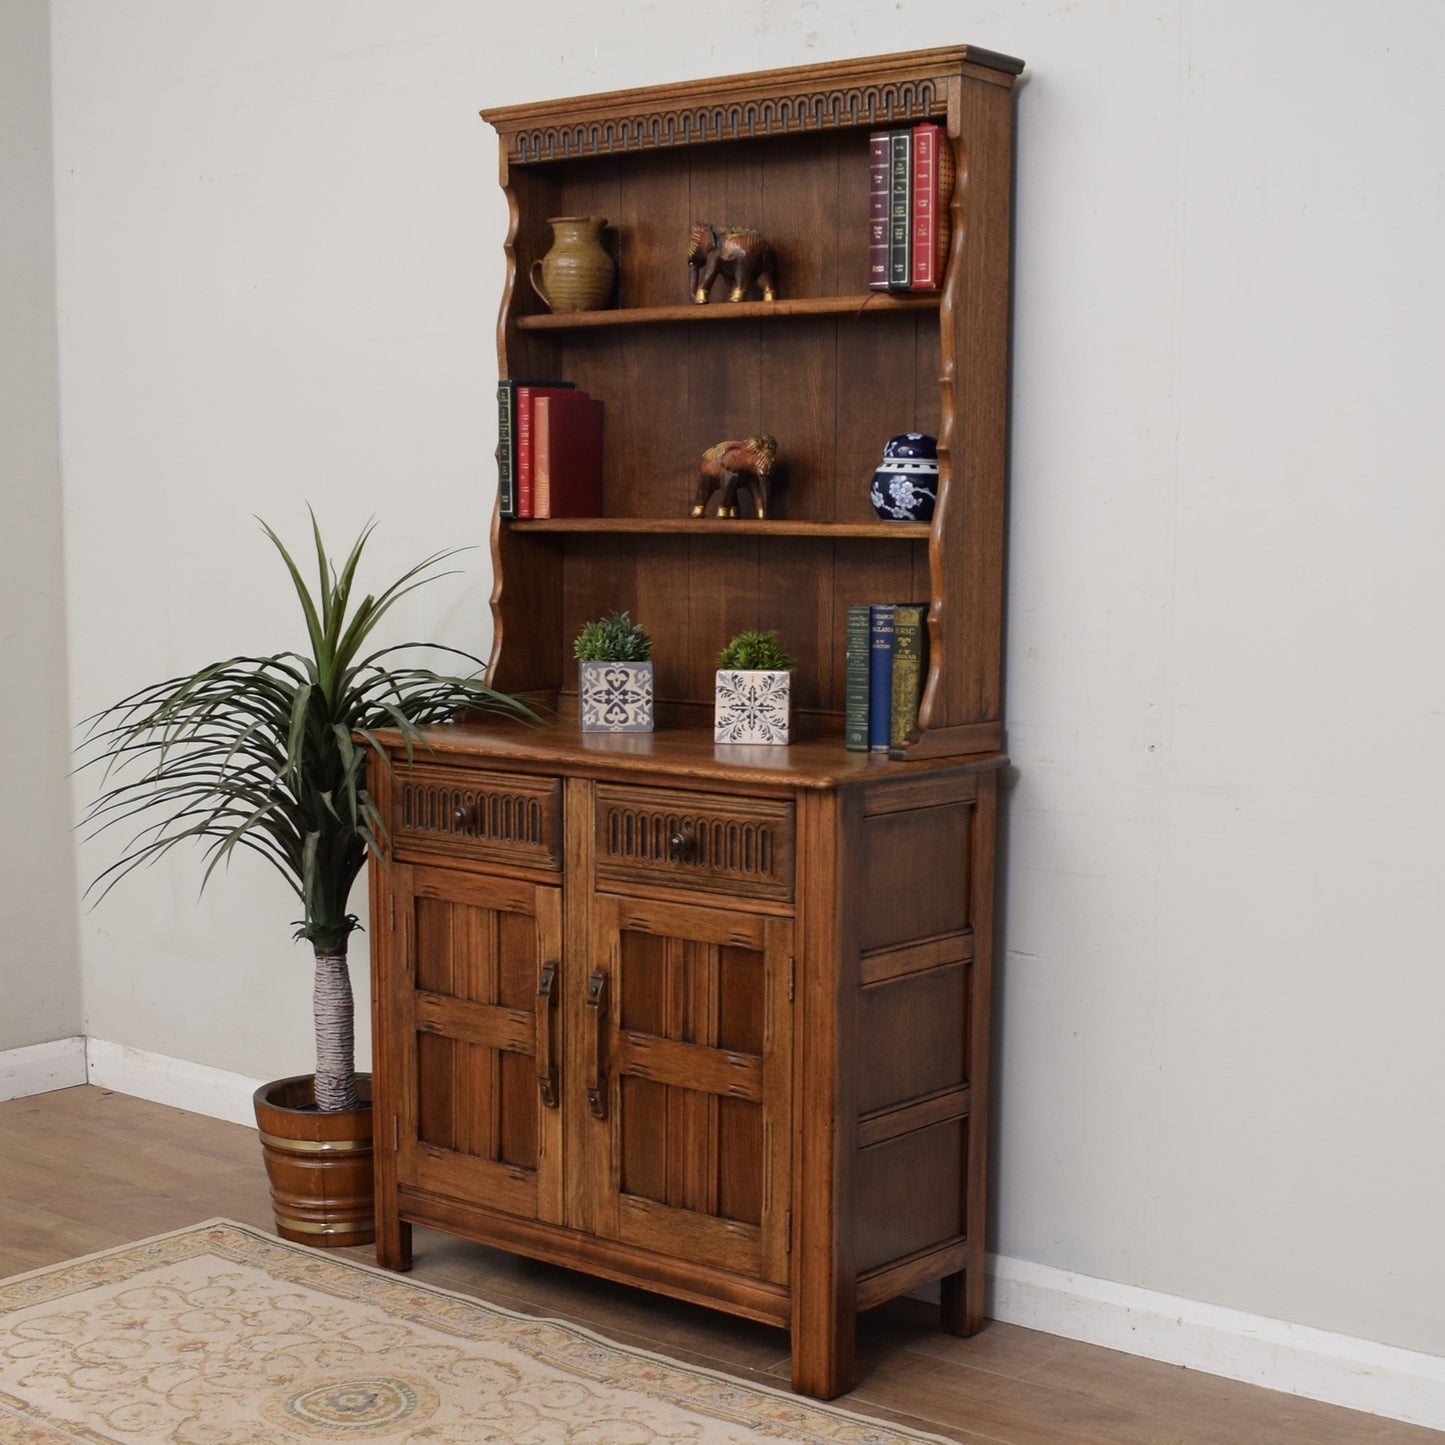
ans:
x=526 y=401
x=878 y=209
x=566 y=455
x=932 y=195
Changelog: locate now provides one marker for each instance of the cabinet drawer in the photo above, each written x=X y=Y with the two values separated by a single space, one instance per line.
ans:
x=738 y=846
x=440 y=812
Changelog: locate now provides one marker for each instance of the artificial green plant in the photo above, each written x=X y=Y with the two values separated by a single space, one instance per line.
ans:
x=754 y=651
x=614 y=638
x=269 y=753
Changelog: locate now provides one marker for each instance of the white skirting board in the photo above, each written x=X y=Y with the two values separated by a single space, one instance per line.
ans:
x=197 y=1087
x=39 y=1068
x=1338 y=1369
x=1297 y=1359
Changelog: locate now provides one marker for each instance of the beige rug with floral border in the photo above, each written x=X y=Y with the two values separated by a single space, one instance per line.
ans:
x=223 y=1335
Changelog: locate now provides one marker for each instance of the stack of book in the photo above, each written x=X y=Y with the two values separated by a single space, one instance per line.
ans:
x=910 y=185
x=887 y=661
x=549 y=450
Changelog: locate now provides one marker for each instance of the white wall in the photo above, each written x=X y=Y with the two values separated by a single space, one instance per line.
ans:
x=1220 y=997
x=39 y=951
x=1222 y=1069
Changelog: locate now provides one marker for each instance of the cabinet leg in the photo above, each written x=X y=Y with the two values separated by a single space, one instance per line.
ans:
x=823 y=1360
x=961 y=1297
x=393 y=1242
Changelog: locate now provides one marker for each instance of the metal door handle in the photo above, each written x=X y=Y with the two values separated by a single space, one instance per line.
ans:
x=596 y=1011
x=546 y=1013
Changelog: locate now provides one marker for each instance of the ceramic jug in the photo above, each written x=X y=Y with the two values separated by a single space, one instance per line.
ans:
x=576 y=274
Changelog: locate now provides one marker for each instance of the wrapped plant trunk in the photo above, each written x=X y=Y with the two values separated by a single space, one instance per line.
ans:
x=334 y=1011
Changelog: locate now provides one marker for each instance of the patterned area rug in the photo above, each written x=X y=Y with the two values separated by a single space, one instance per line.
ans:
x=223 y=1335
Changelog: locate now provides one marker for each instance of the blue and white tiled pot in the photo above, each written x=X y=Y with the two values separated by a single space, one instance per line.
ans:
x=905 y=486
x=615 y=697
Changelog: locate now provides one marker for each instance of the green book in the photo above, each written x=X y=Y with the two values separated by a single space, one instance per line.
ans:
x=910 y=653
x=900 y=210
x=506 y=450
x=855 y=697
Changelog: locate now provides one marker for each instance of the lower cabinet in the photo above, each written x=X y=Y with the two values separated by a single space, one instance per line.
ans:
x=471 y=1067
x=688 y=1045
x=725 y=1044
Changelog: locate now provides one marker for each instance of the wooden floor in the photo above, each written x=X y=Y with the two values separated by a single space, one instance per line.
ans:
x=84 y=1169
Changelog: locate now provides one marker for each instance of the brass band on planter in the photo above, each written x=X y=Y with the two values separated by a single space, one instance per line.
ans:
x=314 y=1146
x=306 y=1226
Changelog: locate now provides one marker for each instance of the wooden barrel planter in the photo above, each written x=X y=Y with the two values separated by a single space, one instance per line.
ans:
x=319 y=1164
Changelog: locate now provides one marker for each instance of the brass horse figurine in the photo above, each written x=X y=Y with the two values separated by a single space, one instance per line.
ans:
x=743 y=256
x=729 y=465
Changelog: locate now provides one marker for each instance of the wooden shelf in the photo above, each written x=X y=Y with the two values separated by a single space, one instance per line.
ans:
x=727 y=527
x=868 y=303
x=815 y=760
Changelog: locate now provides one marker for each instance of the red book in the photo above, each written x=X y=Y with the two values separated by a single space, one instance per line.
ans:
x=526 y=401
x=879 y=169
x=932 y=192
x=566 y=455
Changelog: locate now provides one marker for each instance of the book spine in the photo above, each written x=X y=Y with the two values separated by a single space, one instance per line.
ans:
x=909 y=638
x=539 y=478
x=879 y=208
x=524 y=464
x=900 y=196
x=855 y=700
x=506 y=457
x=944 y=169
x=925 y=206
x=880 y=676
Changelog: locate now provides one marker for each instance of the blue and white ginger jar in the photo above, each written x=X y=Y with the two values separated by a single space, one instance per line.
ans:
x=905 y=486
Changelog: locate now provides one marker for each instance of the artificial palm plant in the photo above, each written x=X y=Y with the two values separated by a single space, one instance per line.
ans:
x=269 y=753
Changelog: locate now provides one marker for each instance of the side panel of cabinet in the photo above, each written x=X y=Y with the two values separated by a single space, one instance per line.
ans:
x=469 y=1090
x=920 y=1009
x=687 y=1043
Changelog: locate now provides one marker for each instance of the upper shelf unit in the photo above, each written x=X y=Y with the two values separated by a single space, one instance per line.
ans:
x=830 y=368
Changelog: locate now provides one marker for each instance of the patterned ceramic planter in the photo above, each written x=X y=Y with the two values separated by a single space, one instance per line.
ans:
x=752 y=707
x=616 y=697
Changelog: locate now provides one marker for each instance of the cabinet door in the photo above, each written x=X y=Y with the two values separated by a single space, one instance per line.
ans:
x=686 y=1050
x=475 y=1037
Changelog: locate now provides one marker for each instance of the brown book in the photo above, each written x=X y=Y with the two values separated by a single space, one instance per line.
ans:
x=910 y=667
x=567 y=456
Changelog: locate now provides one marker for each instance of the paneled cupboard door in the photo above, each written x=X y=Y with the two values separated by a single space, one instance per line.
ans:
x=475 y=1034
x=687 y=1050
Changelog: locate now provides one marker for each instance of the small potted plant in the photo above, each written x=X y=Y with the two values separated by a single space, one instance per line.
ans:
x=754 y=690
x=615 y=687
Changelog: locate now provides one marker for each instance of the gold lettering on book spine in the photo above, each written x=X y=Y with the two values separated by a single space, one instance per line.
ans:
x=885 y=104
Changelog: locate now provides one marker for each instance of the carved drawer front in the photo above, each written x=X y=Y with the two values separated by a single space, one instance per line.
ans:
x=738 y=846
x=440 y=812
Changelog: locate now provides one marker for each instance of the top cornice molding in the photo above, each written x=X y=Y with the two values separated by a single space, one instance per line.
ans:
x=871 y=91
